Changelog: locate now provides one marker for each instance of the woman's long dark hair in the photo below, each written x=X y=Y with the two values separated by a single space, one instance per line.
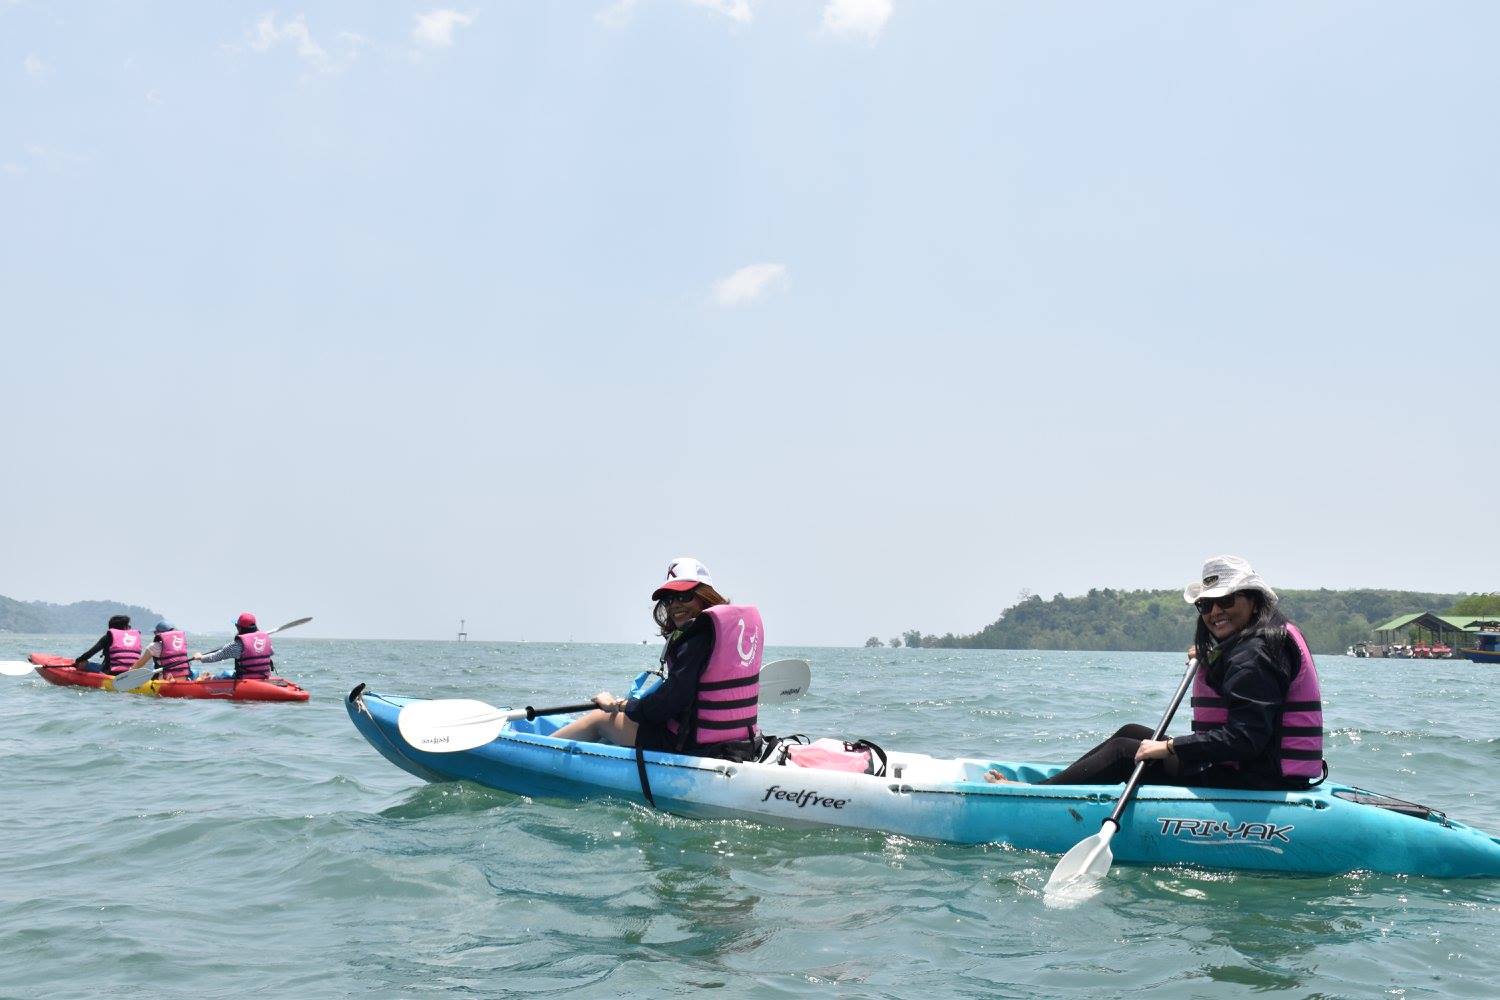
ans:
x=1266 y=620
x=709 y=595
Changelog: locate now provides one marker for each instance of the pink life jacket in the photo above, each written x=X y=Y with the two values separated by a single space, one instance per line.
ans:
x=1300 y=717
x=255 y=656
x=729 y=687
x=173 y=659
x=123 y=650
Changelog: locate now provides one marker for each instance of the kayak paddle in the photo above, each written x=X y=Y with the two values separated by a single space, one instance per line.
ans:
x=449 y=725
x=15 y=668
x=1078 y=874
x=134 y=678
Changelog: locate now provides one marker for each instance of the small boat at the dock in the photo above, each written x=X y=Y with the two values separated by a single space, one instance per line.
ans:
x=1486 y=648
x=60 y=670
x=1329 y=829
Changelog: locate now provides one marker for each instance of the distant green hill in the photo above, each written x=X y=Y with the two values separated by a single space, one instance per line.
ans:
x=1149 y=620
x=80 y=617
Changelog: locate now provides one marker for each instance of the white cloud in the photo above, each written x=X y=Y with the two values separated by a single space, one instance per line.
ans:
x=748 y=284
x=14 y=169
x=617 y=13
x=735 y=10
x=856 y=18
x=153 y=96
x=33 y=65
x=293 y=32
x=435 y=28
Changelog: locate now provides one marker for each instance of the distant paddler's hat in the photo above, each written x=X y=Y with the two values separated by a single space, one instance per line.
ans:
x=245 y=620
x=164 y=626
x=683 y=573
x=1224 y=575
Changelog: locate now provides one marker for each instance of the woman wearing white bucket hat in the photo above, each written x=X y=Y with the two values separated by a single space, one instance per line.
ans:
x=1257 y=705
x=706 y=705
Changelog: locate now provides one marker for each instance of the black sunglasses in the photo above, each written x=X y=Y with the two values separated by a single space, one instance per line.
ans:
x=680 y=597
x=1207 y=604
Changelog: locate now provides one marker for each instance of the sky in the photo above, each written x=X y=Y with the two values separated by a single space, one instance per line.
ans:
x=887 y=311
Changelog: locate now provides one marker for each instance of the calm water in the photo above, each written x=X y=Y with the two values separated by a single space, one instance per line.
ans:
x=153 y=848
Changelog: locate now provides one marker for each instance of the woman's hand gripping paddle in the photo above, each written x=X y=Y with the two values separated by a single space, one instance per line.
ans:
x=132 y=679
x=453 y=724
x=1078 y=874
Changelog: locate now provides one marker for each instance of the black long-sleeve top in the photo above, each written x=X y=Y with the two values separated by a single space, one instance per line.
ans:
x=1252 y=673
x=688 y=652
x=97 y=647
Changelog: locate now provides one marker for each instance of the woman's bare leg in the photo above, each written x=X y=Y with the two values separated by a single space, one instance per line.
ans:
x=600 y=726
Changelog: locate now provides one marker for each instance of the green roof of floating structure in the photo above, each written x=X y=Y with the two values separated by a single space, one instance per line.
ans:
x=1435 y=623
x=1398 y=623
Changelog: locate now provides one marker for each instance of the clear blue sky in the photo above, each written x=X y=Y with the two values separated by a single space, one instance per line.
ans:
x=392 y=314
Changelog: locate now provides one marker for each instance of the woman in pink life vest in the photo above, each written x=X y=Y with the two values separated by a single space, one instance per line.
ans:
x=250 y=650
x=1257 y=705
x=707 y=704
x=169 y=649
x=120 y=644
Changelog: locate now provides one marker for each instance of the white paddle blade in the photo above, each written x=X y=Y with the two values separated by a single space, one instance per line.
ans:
x=784 y=680
x=1081 y=871
x=132 y=679
x=15 y=668
x=449 y=725
x=283 y=628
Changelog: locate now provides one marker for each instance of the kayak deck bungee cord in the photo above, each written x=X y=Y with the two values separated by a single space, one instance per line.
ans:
x=1330 y=829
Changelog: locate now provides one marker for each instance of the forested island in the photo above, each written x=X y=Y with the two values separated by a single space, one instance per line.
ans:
x=1158 y=620
x=78 y=618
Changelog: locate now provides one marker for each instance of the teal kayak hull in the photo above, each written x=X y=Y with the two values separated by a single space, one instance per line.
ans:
x=1330 y=829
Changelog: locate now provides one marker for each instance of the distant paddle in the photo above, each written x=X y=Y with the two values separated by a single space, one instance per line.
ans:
x=15 y=668
x=453 y=724
x=140 y=676
x=1078 y=874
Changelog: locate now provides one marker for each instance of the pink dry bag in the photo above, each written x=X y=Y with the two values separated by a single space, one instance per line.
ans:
x=861 y=756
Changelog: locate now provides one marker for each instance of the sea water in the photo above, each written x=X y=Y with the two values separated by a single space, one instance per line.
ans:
x=164 y=848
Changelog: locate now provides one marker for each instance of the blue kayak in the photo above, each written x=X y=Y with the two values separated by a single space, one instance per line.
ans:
x=1326 y=830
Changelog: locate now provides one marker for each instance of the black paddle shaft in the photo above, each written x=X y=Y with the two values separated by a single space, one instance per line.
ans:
x=1166 y=720
x=532 y=713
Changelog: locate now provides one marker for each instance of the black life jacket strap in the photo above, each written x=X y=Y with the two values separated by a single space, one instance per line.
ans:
x=640 y=767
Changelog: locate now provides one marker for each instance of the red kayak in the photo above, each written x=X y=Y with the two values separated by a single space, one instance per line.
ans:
x=60 y=670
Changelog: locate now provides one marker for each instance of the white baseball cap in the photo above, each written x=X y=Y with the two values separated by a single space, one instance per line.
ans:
x=1224 y=575
x=683 y=573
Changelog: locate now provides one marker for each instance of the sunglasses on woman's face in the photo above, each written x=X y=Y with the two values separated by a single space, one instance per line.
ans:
x=1207 y=604
x=681 y=597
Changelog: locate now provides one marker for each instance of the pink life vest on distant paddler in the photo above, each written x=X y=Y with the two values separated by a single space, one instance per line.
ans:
x=729 y=687
x=123 y=650
x=255 y=656
x=1300 y=717
x=173 y=658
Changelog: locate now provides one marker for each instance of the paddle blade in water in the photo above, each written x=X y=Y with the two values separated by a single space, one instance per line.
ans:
x=784 y=680
x=1081 y=871
x=15 y=668
x=449 y=725
x=132 y=679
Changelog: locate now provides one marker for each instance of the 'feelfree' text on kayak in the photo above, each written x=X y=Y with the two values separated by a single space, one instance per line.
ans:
x=803 y=797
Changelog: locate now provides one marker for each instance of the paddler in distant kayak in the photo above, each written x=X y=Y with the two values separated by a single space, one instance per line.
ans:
x=250 y=650
x=1257 y=704
x=169 y=649
x=706 y=706
x=120 y=644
